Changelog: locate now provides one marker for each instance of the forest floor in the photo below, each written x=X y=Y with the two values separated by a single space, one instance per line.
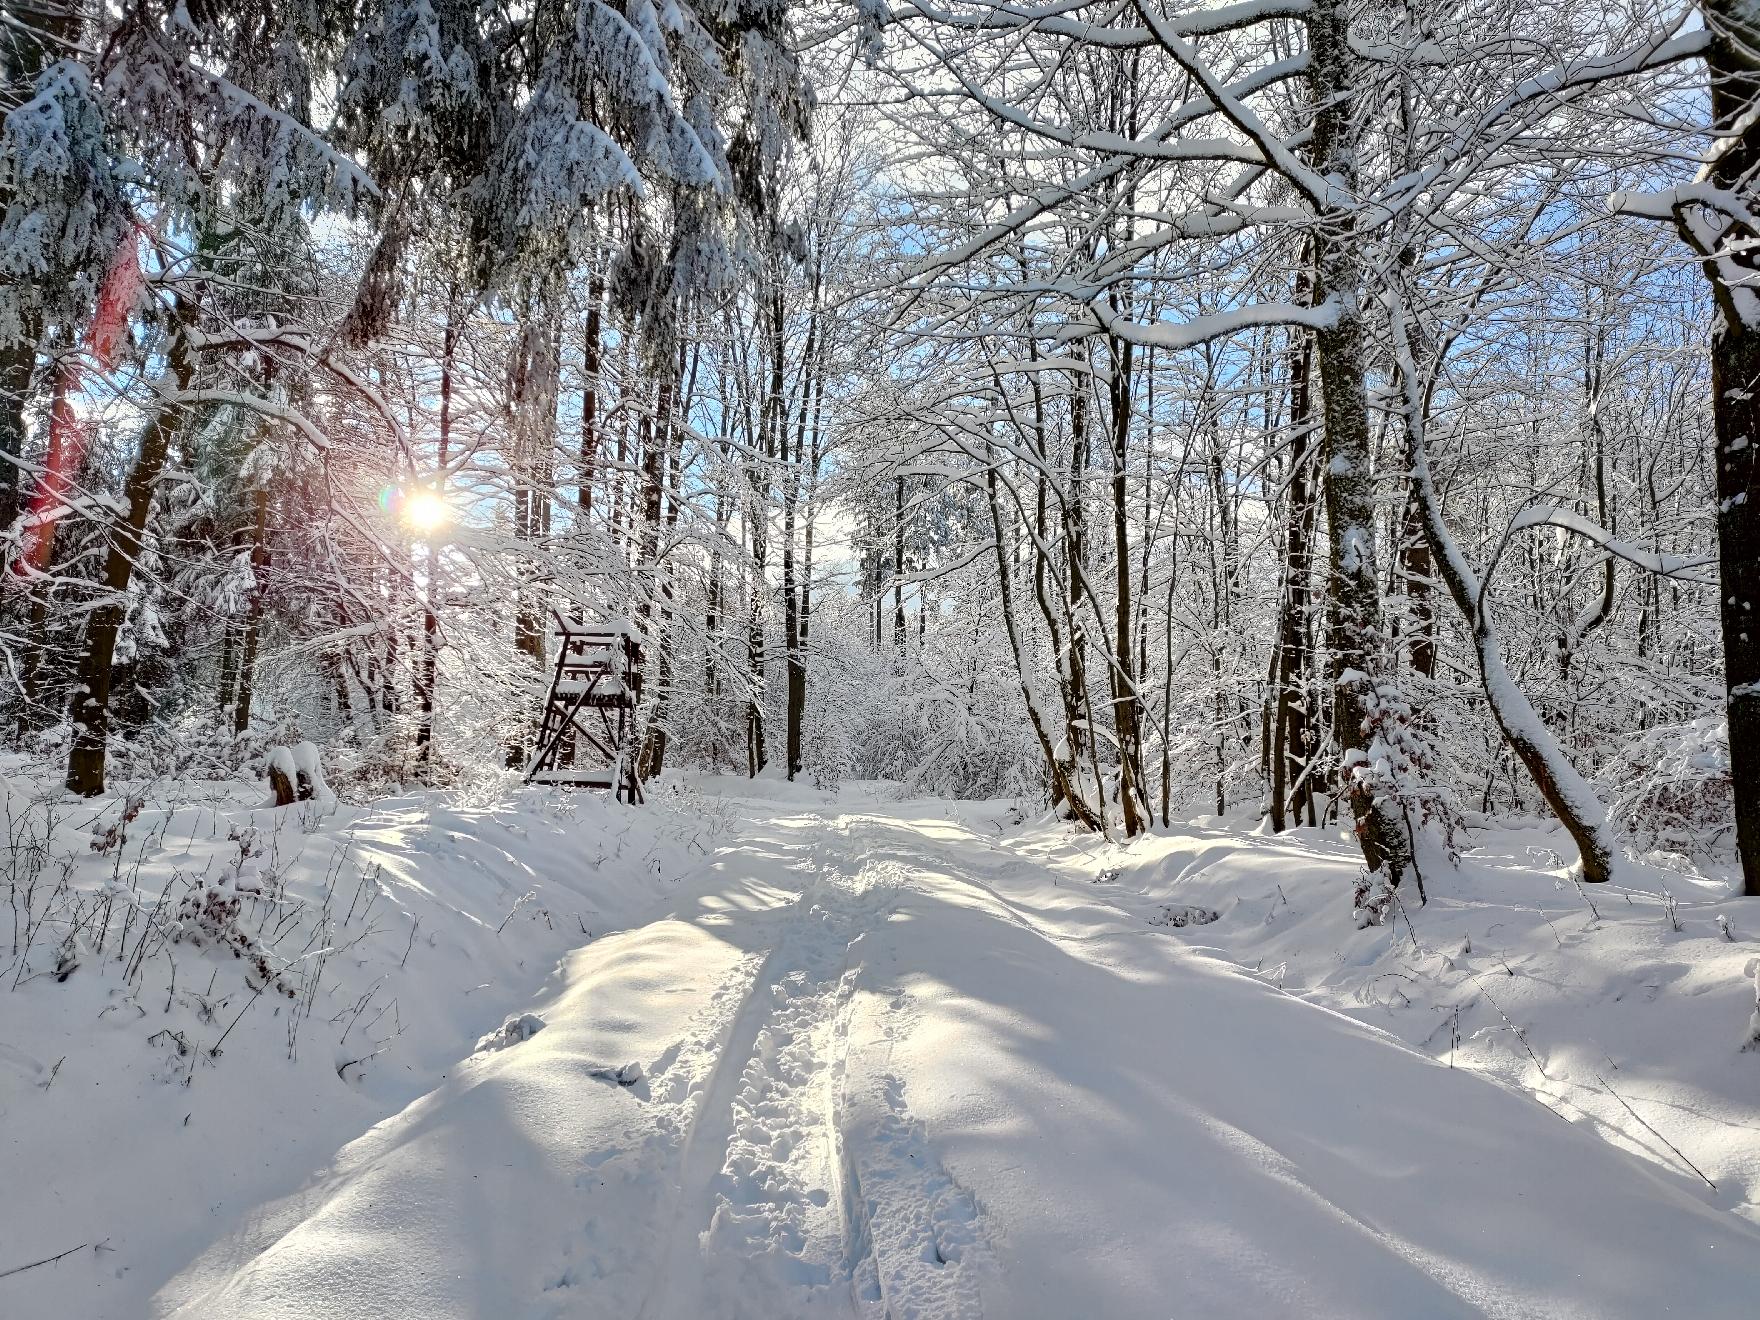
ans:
x=848 y=1057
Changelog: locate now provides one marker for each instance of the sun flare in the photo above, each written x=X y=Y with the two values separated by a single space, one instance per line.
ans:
x=424 y=511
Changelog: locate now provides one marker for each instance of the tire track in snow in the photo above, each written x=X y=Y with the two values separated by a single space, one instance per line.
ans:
x=913 y=1237
x=758 y=1231
x=918 y=1232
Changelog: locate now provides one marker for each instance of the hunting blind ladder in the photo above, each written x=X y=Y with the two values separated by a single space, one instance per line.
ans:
x=587 y=734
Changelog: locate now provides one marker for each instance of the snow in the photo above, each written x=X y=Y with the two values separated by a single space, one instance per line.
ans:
x=520 y=1027
x=1753 y=1039
x=1585 y=998
x=279 y=760
x=301 y=765
x=847 y=1056
x=150 y=1152
x=308 y=762
x=1673 y=566
x=1216 y=325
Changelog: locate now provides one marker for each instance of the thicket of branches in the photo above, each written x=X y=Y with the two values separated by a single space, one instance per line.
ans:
x=1327 y=409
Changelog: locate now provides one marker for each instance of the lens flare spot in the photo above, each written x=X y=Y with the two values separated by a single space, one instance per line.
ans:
x=425 y=511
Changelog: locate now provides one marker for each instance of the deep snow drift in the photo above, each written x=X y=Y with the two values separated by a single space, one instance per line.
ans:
x=163 y=1088
x=855 y=1058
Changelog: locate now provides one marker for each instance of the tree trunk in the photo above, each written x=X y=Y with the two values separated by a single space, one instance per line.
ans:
x=18 y=358
x=796 y=697
x=1126 y=707
x=1348 y=484
x=1735 y=400
x=1570 y=798
x=674 y=397
x=91 y=701
x=428 y=668
x=1075 y=684
x=1062 y=790
x=758 y=516
x=1735 y=387
x=1415 y=572
x=712 y=634
x=591 y=351
x=30 y=38
x=755 y=755
x=533 y=395
x=253 y=626
x=40 y=557
x=1291 y=786
x=898 y=631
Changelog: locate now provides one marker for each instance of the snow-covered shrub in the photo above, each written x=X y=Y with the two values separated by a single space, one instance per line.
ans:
x=830 y=757
x=1212 y=752
x=1372 y=900
x=198 y=746
x=207 y=917
x=1399 y=766
x=1670 y=787
x=115 y=833
x=957 y=702
x=1181 y=915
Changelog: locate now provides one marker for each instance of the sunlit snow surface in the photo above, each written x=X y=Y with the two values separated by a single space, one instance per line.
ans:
x=918 y=1061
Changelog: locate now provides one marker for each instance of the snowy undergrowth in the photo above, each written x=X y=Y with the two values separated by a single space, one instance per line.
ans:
x=202 y=999
x=1628 y=1007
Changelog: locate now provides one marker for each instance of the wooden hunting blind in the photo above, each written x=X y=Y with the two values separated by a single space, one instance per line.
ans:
x=587 y=736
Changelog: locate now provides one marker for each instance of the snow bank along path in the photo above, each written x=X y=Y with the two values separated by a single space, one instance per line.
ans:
x=889 y=1069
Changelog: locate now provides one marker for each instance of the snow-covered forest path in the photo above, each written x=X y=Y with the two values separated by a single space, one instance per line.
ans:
x=891 y=1067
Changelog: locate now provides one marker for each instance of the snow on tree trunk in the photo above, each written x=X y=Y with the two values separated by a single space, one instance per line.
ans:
x=1735 y=359
x=1735 y=399
x=1569 y=797
x=1348 y=482
x=1292 y=789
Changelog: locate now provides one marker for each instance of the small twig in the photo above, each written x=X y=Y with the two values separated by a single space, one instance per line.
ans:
x=1653 y=1132
x=1594 y=912
x=518 y=903
x=351 y=1063
x=1417 y=871
x=214 y=1049
x=1548 y=921
x=1520 y=1034
x=1400 y=906
x=47 y=1260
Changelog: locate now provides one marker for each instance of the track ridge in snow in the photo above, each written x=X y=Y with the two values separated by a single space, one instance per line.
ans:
x=914 y=1238
x=760 y=1225
x=918 y=1231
